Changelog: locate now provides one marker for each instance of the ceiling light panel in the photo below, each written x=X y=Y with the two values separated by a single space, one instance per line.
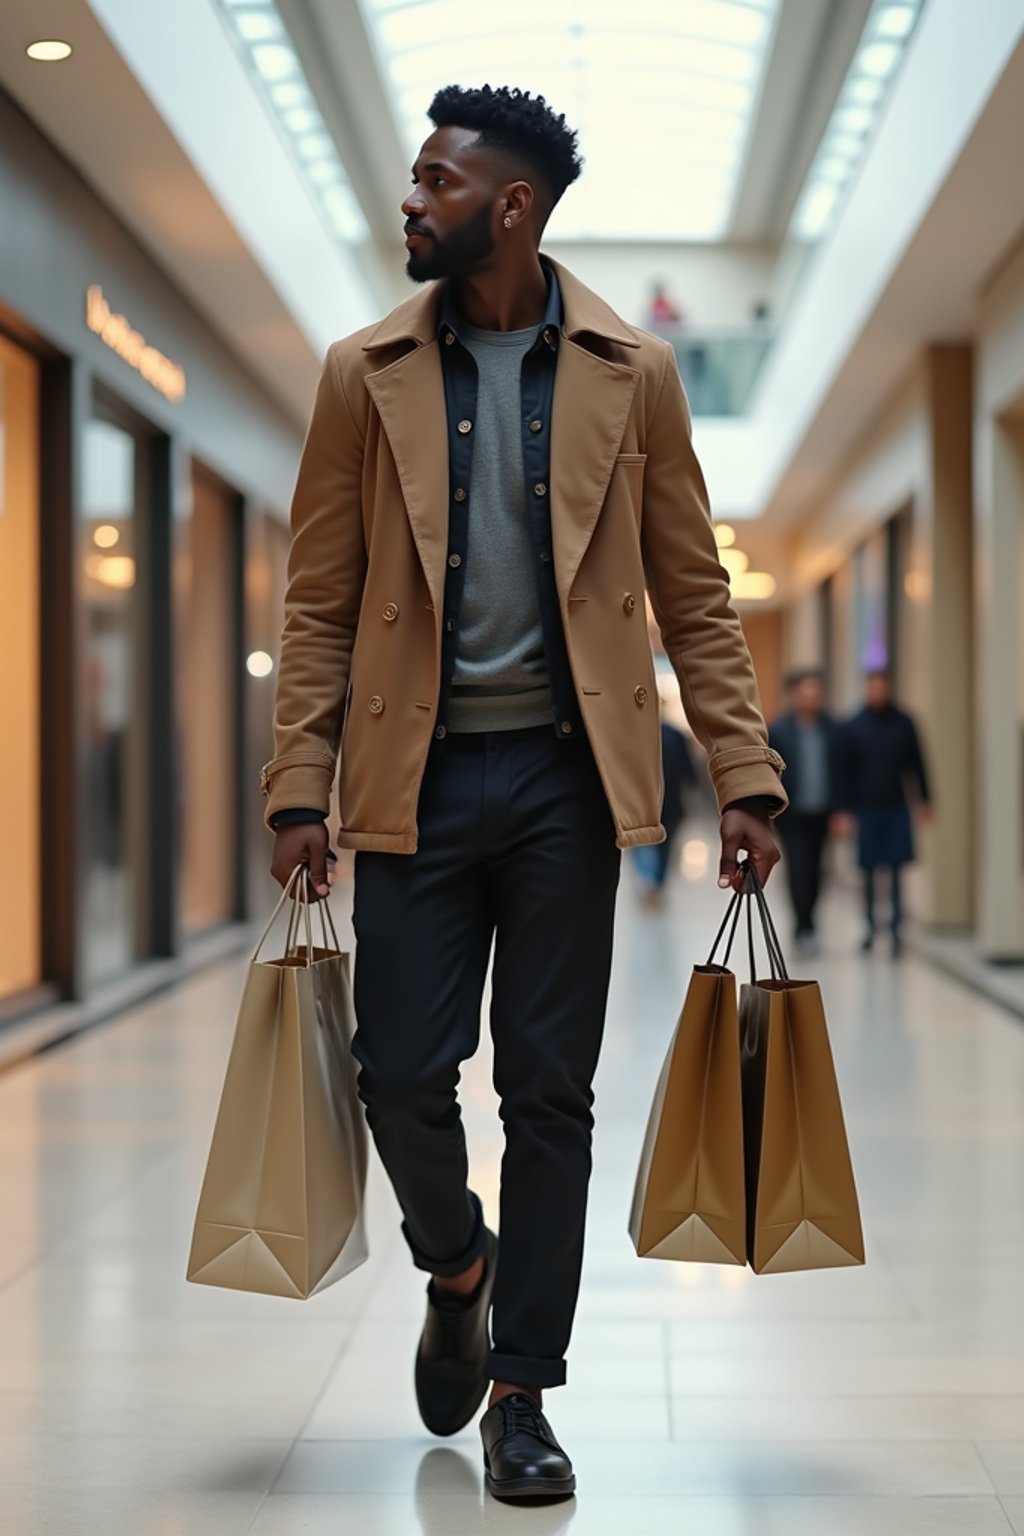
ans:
x=259 y=34
x=865 y=90
x=662 y=93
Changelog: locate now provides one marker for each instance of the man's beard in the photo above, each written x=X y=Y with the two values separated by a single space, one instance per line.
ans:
x=458 y=256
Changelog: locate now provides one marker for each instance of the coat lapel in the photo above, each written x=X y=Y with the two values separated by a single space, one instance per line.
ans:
x=591 y=407
x=409 y=396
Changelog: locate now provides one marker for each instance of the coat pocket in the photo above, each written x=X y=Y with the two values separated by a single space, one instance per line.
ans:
x=629 y=473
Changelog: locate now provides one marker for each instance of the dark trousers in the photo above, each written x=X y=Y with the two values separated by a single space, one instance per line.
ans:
x=896 y=899
x=804 y=835
x=516 y=847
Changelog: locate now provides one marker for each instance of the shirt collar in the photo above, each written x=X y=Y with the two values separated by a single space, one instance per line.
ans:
x=550 y=326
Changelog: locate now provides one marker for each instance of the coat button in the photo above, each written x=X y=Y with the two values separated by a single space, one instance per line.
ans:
x=536 y=426
x=465 y=426
x=540 y=490
x=440 y=733
x=376 y=705
x=629 y=602
x=460 y=494
x=640 y=694
x=391 y=612
x=566 y=728
x=449 y=339
x=454 y=561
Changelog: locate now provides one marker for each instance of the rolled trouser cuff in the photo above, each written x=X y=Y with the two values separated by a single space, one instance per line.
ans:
x=523 y=1371
x=463 y=1260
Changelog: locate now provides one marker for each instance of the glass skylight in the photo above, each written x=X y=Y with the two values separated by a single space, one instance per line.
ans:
x=888 y=30
x=662 y=92
x=259 y=33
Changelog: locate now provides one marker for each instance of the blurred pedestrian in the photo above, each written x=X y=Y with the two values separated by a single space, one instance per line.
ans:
x=882 y=774
x=654 y=860
x=663 y=313
x=808 y=738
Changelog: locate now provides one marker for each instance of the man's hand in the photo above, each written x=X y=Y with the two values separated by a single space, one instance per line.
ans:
x=303 y=844
x=752 y=833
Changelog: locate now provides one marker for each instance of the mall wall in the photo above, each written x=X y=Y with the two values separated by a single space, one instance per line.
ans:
x=882 y=569
x=933 y=498
x=57 y=240
x=999 y=608
x=143 y=541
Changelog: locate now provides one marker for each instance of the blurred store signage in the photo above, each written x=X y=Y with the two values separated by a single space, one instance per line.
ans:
x=120 y=336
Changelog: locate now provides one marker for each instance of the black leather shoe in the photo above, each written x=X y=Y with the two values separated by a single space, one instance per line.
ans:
x=451 y=1363
x=522 y=1458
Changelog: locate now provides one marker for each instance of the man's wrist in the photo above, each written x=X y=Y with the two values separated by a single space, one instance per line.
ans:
x=755 y=805
x=295 y=816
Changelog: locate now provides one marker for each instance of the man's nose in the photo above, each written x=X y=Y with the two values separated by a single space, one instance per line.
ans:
x=414 y=206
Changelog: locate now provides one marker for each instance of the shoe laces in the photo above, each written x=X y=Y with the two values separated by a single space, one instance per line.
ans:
x=452 y=1326
x=520 y=1412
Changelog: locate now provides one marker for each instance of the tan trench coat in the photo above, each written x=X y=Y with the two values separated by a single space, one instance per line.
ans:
x=360 y=659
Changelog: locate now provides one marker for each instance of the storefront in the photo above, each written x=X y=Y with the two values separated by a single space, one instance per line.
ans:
x=144 y=480
x=20 y=904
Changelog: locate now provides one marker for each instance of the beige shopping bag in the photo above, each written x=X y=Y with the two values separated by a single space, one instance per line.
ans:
x=690 y=1201
x=281 y=1207
x=802 y=1202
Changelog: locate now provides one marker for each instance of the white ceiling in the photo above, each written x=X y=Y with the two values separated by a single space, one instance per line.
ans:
x=663 y=94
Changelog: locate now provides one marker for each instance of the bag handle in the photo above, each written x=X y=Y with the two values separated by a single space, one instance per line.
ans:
x=298 y=889
x=733 y=913
x=754 y=892
x=326 y=921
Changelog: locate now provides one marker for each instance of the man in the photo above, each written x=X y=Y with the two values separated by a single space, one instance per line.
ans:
x=491 y=474
x=882 y=766
x=808 y=739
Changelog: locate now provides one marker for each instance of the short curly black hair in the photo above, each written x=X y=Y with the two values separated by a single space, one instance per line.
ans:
x=521 y=125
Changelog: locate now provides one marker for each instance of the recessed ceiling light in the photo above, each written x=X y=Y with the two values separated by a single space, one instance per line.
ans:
x=49 y=51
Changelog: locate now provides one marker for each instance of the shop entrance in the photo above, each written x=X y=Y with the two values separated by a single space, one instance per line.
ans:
x=208 y=669
x=116 y=494
x=20 y=900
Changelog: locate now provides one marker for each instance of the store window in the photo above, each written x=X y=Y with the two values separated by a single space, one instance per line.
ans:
x=207 y=668
x=20 y=897
x=113 y=492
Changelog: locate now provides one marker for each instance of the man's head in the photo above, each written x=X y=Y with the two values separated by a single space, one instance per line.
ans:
x=807 y=691
x=492 y=171
x=878 y=689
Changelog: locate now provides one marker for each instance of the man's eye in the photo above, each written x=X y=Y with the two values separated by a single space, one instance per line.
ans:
x=439 y=181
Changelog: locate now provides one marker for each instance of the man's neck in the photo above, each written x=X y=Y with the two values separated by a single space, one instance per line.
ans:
x=511 y=299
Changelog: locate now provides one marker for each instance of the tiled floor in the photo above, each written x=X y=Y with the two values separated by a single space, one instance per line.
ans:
x=882 y=1402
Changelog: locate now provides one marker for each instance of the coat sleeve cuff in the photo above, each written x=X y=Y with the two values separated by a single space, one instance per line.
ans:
x=745 y=773
x=298 y=781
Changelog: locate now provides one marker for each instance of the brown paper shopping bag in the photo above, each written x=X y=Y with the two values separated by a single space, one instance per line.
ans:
x=281 y=1208
x=689 y=1201
x=802 y=1205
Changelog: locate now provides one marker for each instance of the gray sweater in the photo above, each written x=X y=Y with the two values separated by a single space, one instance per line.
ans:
x=500 y=681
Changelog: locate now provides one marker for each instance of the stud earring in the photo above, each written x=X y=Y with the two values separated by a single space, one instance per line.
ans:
x=508 y=222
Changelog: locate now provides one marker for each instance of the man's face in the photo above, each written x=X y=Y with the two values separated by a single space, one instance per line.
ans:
x=878 y=692
x=809 y=696
x=452 y=212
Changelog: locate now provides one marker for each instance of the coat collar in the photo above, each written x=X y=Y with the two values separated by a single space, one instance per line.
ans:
x=585 y=314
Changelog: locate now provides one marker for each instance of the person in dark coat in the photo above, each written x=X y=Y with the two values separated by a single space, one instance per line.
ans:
x=882 y=773
x=654 y=860
x=808 y=738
